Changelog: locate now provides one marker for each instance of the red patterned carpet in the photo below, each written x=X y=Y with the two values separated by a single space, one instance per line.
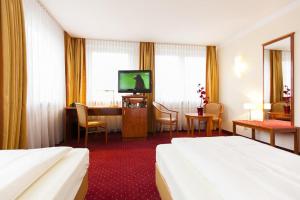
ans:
x=123 y=170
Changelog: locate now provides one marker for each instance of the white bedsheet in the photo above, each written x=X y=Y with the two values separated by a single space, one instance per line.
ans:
x=20 y=168
x=238 y=168
x=61 y=181
x=184 y=182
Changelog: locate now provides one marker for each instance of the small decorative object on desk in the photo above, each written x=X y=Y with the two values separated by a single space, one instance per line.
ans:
x=203 y=98
x=287 y=99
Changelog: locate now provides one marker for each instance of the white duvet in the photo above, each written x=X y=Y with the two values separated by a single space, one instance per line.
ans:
x=19 y=169
x=238 y=168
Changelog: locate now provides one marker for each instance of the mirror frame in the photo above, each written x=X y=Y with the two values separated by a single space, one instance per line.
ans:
x=292 y=38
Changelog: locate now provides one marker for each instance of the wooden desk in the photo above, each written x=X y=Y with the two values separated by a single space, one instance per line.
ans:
x=190 y=117
x=270 y=126
x=71 y=117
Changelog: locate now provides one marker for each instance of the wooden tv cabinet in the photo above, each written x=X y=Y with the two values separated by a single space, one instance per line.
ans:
x=134 y=116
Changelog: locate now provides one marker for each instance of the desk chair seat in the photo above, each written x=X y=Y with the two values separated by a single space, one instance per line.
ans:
x=92 y=124
x=84 y=122
x=166 y=119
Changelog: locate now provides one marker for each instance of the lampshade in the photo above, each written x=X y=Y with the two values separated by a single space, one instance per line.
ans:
x=249 y=106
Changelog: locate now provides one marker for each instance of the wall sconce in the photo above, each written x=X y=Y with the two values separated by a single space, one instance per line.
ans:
x=239 y=66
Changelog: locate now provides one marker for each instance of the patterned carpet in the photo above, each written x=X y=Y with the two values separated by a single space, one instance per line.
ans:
x=123 y=170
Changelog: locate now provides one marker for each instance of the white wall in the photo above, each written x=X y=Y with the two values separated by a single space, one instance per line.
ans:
x=241 y=67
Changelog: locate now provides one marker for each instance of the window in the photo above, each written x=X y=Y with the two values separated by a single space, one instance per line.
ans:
x=286 y=72
x=45 y=77
x=286 y=68
x=104 y=59
x=178 y=71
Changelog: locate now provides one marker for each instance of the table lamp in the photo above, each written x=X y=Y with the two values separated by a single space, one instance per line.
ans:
x=249 y=106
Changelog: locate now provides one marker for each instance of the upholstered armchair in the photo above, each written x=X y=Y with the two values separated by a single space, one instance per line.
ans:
x=277 y=112
x=216 y=109
x=277 y=107
x=165 y=116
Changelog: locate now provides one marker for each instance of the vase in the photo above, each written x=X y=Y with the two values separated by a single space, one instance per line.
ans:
x=287 y=109
x=200 y=110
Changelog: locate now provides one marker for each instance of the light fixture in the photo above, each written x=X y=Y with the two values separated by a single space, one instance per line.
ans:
x=239 y=66
x=249 y=107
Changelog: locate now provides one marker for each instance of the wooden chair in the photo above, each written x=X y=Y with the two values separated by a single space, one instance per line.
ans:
x=166 y=116
x=84 y=122
x=278 y=107
x=217 y=110
x=277 y=112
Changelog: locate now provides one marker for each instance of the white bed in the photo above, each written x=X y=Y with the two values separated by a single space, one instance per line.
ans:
x=227 y=168
x=48 y=173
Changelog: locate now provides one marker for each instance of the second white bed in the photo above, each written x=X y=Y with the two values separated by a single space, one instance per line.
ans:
x=228 y=168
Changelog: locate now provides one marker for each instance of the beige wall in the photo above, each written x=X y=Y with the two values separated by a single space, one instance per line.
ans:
x=241 y=78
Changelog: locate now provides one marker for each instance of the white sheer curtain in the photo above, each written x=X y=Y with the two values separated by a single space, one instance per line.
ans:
x=286 y=68
x=46 y=76
x=104 y=59
x=178 y=71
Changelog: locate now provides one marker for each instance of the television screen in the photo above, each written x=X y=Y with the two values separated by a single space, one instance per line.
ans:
x=135 y=81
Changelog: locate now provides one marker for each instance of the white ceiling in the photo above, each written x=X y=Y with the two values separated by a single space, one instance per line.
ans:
x=174 y=21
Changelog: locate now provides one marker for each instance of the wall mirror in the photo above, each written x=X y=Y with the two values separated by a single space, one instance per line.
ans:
x=278 y=75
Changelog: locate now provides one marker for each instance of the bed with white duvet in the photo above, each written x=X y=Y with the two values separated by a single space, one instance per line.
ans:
x=47 y=173
x=228 y=168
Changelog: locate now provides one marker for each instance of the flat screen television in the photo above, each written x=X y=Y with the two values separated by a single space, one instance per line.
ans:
x=134 y=81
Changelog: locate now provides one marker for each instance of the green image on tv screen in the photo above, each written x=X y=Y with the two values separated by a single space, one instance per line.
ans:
x=134 y=81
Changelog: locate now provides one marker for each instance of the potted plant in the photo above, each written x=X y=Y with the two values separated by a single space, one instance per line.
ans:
x=287 y=99
x=203 y=98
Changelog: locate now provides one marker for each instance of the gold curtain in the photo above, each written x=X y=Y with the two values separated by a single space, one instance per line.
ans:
x=212 y=74
x=276 y=78
x=75 y=70
x=13 y=72
x=147 y=62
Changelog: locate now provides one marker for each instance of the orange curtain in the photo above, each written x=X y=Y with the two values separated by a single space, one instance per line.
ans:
x=276 y=77
x=147 y=62
x=75 y=63
x=13 y=72
x=212 y=74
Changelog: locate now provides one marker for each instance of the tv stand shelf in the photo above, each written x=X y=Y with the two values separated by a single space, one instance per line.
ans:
x=134 y=120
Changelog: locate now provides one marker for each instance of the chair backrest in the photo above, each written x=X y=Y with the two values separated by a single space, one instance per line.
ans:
x=214 y=108
x=277 y=107
x=158 y=109
x=82 y=113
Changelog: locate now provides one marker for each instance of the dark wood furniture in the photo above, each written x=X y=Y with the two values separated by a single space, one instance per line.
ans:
x=71 y=121
x=270 y=126
x=134 y=116
x=190 y=117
